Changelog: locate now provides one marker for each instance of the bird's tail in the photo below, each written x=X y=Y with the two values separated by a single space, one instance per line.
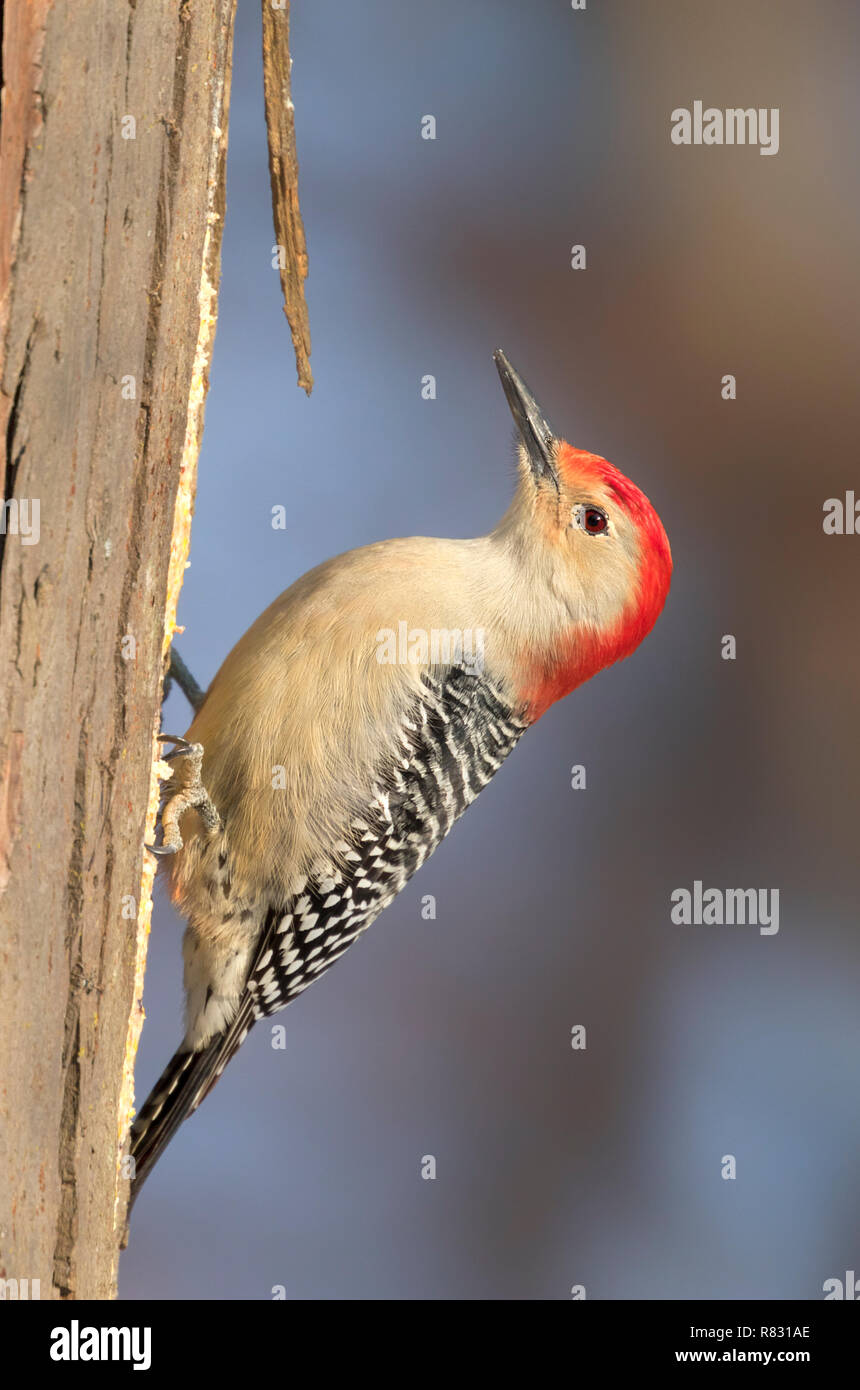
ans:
x=185 y=1082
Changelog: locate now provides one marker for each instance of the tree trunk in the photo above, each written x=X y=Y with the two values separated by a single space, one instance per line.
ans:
x=112 y=153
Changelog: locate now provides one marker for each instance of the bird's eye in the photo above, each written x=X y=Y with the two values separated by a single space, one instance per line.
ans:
x=593 y=520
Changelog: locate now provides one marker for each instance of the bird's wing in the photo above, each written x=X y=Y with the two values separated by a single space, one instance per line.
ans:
x=455 y=739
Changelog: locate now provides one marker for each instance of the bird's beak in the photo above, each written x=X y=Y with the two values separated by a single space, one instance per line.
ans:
x=538 y=439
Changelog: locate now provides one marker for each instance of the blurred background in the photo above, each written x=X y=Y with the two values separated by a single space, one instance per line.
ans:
x=452 y=1037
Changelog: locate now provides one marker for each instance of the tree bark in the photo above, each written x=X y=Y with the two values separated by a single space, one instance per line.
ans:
x=291 y=247
x=110 y=232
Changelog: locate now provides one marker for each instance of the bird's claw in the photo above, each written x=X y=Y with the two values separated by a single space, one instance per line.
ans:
x=191 y=795
x=161 y=851
x=182 y=746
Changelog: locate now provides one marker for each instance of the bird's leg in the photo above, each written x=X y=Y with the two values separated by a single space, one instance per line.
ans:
x=179 y=672
x=190 y=794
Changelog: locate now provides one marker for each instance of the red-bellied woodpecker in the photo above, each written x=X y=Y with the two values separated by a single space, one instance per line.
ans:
x=360 y=716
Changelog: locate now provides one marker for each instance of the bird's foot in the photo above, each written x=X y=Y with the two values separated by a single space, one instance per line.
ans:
x=188 y=794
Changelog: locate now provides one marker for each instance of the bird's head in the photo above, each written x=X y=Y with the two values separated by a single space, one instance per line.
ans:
x=594 y=549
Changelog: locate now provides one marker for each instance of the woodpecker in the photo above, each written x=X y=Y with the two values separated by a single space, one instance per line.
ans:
x=326 y=762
